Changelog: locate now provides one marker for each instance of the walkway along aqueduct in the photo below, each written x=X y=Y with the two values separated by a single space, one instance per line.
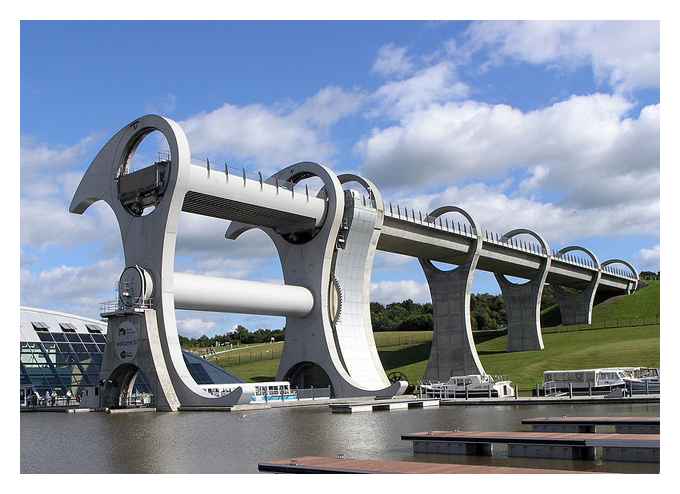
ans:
x=326 y=243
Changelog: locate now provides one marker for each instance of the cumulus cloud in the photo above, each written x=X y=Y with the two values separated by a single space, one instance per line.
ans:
x=76 y=289
x=432 y=84
x=392 y=60
x=622 y=54
x=271 y=137
x=495 y=210
x=650 y=258
x=585 y=148
x=195 y=327
x=386 y=292
x=49 y=177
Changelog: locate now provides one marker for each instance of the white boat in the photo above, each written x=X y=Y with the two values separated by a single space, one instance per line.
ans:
x=643 y=379
x=264 y=392
x=579 y=380
x=472 y=386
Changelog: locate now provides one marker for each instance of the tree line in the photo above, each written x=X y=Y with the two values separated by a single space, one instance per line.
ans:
x=487 y=312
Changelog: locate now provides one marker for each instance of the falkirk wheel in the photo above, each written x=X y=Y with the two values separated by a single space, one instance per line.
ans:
x=326 y=243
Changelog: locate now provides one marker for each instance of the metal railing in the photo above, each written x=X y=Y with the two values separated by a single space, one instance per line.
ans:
x=111 y=306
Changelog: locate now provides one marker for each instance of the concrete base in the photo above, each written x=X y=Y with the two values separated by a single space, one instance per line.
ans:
x=381 y=405
x=129 y=410
x=638 y=429
x=638 y=455
x=453 y=448
x=549 y=451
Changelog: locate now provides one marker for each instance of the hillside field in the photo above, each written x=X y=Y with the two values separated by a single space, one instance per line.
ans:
x=629 y=344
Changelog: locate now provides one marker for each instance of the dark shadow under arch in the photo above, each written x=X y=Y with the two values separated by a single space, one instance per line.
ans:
x=119 y=386
x=307 y=375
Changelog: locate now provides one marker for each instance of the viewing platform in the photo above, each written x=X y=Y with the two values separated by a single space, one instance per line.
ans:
x=581 y=446
x=319 y=464
x=622 y=425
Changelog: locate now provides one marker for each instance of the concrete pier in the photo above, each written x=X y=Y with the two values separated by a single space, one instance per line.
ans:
x=523 y=301
x=622 y=425
x=318 y=464
x=453 y=351
x=576 y=306
x=615 y=447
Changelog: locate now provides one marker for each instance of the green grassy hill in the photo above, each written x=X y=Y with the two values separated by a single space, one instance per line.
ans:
x=643 y=304
x=565 y=347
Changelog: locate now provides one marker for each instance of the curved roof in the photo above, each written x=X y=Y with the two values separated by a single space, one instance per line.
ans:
x=54 y=321
x=203 y=371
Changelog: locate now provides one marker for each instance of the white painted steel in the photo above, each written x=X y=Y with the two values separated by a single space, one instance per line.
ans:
x=208 y=293
x=217 y=183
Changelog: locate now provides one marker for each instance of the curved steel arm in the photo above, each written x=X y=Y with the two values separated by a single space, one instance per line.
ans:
x=455 y=209
x=585 y=250
x=526 y=231
x=625 y=263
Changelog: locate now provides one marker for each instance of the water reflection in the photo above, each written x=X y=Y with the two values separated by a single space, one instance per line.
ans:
x=221 y=442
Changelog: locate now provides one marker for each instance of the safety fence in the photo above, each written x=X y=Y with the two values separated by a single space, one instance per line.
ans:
x=605 y=324
x=273 y=351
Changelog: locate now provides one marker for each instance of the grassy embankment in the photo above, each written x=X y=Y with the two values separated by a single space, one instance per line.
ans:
x=565 y=347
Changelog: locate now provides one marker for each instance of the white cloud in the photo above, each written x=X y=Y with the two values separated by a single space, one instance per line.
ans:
x=537 y=176
x=588 y=149
x=496 y=211
x=392 y=60
x=650 y=258
x=327 y=107
x=195 y=327
x=38 y=157
x=271 y=137
x=387 y=292
x=432 y=84
x=623 y=54
x=76 y=289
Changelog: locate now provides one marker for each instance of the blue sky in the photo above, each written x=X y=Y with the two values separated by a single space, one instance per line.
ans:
x=552 y=126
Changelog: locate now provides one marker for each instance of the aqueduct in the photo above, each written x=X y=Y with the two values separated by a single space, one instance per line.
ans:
x=326 y=243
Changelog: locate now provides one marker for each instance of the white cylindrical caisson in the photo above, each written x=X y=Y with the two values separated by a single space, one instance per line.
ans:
x=208 y=293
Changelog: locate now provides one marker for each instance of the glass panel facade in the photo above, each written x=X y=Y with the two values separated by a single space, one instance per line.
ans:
x=59 y=367
x=55 y=365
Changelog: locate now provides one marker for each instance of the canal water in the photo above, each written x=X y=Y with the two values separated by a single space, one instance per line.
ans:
x=234 y=442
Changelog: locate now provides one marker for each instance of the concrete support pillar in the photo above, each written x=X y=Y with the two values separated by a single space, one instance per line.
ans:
x=576 y=307
x=453 y=350
x=523 y=302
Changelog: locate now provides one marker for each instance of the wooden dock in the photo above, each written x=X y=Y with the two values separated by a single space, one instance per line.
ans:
x=622 y=425
x=382 y=405
x=614 y=447
x=318 y=464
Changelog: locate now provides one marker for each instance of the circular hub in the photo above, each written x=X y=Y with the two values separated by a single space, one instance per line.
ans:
x=134 y=287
